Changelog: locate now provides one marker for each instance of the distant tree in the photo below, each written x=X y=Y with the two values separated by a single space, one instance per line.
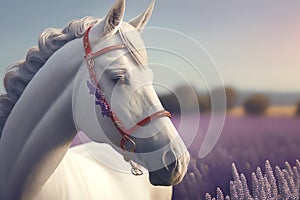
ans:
x=231 y=96
x=184 y=99
x=256 y=104
x=187 y=98
x=170 y=102
x=298 y=108
x=204 y=103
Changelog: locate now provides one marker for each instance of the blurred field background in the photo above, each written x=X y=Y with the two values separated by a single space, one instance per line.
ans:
x=272 y=111
x=259 y=126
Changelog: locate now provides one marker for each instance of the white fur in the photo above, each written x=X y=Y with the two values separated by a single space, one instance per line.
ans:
x=81 y=176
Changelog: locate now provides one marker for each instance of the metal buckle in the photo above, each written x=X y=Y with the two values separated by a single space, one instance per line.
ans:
x=127 y=155
x=125 y=140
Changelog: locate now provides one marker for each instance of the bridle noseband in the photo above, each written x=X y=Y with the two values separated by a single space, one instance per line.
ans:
x=127 y=144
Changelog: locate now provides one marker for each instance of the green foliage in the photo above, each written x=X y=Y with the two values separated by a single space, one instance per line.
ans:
x=257 y=104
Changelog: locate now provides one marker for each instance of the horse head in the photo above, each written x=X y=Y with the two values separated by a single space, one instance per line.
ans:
x=114 y=100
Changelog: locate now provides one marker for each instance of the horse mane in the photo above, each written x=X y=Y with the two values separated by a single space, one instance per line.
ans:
x=19 y=74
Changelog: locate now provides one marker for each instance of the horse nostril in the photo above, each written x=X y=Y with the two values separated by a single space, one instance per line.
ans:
x=170 y=160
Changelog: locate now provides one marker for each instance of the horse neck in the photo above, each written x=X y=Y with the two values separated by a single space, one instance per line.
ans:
x=40 y=127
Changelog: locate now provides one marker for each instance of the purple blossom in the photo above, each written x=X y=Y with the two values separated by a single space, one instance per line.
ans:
x=92 y=86
x=99 y=98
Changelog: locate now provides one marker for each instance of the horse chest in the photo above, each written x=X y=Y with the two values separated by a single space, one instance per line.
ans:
x=79 y=176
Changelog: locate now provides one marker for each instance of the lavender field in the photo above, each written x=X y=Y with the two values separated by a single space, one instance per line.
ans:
x=247 y=141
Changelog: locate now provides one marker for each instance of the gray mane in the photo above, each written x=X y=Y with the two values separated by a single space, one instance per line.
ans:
x=19 y=74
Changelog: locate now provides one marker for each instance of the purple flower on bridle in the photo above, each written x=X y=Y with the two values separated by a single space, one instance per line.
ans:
x=100 y=98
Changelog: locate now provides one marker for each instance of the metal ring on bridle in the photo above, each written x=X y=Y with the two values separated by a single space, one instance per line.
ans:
x=135 y=170
x=127 y=139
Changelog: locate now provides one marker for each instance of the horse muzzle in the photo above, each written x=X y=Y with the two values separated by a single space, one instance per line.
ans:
x=172 y=174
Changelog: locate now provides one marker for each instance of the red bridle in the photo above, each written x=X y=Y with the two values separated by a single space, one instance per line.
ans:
x=89 y=57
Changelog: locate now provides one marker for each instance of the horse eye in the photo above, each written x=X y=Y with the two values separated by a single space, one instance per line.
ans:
x=119 y=79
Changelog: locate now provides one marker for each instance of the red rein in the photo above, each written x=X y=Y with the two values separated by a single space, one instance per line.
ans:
x=89 y=57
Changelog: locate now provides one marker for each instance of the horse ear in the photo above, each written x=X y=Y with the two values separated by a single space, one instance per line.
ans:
x=140 y=21
x=115 y=16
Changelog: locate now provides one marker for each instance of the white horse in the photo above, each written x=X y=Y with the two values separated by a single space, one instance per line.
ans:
x=92 y=76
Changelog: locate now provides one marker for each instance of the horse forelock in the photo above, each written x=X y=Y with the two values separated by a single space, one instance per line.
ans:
x=131 y=38
x=18 y=75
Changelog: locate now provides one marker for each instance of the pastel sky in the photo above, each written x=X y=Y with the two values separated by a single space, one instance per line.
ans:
x=254 y=43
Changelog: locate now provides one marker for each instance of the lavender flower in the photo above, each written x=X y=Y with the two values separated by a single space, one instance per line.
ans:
x=264 y=186
x=100 y=98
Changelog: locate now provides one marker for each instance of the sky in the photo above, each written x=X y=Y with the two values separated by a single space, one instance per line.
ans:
x=246 y=44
